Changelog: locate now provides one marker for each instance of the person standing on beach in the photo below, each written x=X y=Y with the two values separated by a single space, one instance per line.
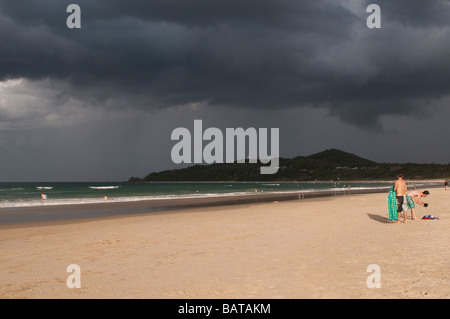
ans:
x=445 y=184
x=400 y=188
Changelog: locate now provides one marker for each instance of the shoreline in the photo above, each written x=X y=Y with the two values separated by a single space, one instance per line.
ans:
x=291 y=182
x=49 y=213
x=319 y=247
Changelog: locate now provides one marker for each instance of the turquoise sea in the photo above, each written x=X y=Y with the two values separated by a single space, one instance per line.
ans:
x=64 y=193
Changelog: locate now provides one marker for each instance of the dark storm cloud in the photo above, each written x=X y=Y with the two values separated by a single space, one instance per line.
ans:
x=257 y=54
x=417 y=13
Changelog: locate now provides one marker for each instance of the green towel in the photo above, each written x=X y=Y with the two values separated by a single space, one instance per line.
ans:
x=392 y=204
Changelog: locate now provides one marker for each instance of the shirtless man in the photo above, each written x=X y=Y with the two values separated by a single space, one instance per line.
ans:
x=401 y=187
x=415 y=197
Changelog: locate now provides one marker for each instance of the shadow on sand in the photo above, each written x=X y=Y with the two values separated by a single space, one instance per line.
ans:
x=381 y=219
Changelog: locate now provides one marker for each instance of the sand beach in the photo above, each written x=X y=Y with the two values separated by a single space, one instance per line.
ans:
x=307 y=248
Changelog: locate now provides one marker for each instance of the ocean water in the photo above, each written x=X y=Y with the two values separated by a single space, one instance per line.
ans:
x=58 y=193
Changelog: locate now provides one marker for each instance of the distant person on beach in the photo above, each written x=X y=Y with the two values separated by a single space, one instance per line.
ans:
x=400 y=188
x=415 y=197
x=446 y=184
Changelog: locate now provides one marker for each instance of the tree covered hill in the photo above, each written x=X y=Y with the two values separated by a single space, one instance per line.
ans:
x=331 y=164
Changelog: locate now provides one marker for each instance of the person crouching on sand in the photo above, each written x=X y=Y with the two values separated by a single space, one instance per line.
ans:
x=415 y=197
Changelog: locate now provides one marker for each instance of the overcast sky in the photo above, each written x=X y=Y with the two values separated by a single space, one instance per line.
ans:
x=99 y=103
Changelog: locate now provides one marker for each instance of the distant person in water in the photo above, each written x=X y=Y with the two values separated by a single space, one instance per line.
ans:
x=400 y=188
x=43 y=196
x=415 y=197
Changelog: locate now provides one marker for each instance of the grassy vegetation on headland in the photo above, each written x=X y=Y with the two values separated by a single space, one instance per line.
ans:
x=324 y=166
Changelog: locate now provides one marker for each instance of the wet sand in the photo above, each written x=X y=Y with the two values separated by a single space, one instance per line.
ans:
x=112 y=208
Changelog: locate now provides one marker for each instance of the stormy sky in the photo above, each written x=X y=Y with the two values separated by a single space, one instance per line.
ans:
x=99 y=103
